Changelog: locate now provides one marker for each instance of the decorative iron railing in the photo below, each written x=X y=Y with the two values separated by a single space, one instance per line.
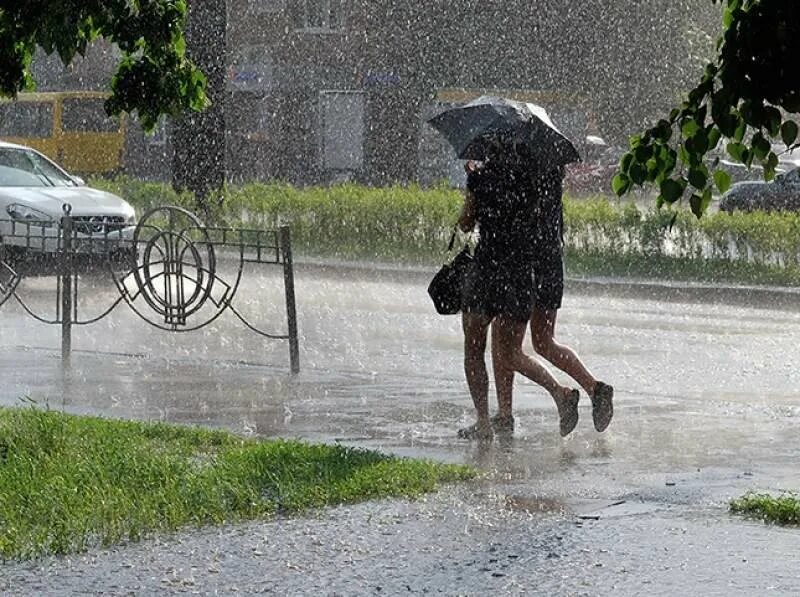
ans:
x=165 y=268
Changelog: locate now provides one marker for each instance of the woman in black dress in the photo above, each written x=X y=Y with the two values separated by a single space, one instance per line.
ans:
x=548 y=277
x=501 y=199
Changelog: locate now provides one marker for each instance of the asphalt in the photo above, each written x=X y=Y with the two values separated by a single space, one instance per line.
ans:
x=706 y=409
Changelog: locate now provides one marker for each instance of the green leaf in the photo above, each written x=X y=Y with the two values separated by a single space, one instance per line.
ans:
x=689 y=128
x=653 y=167
x=737 y=151
x=699 y=142
x=761 y=146
x=789 y=132
x=671 y=190
x=625 y=162
x=772 y=120
x=714 y=135
x=770 y=164
x=700 y=203
x=637 y=173
x=741 y=129
x=621 y=184
x=723 y=181
x=727 y=18
x=728 y=124
x=696 y=203
x=683 y=155
x=643 y=153
x=707 y=196
x=747 y=157
x=698 y=178
x=663 y=131
x=752 y=112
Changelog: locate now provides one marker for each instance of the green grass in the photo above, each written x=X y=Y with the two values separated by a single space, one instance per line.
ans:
x=72 y=482
x=783 y=509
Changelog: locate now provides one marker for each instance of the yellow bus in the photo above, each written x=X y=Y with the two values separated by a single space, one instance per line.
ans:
x=69 y=127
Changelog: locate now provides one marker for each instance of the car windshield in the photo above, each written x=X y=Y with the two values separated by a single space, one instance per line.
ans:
x=21 y=167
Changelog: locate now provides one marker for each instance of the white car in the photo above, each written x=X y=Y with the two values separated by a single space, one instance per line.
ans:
x=33 y=194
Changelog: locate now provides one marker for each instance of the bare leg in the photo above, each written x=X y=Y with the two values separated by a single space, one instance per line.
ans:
x=475 y=327
x=543 y=324
x=509 y=336
x=503 y=376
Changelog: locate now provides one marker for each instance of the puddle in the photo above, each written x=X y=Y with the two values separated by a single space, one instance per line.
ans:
x=583 y=509
x=534 y=505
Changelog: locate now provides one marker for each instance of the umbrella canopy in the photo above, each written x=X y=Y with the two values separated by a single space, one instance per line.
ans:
x=476 y=127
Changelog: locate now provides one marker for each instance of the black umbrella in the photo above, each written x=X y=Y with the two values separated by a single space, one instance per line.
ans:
x=474 y=128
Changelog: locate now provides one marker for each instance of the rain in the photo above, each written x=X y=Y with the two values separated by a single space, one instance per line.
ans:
x=210 y=315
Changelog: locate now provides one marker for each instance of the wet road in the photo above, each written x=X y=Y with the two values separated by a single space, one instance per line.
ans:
x=707 y=408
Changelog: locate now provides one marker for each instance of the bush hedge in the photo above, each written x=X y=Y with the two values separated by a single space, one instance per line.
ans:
x=410 y=224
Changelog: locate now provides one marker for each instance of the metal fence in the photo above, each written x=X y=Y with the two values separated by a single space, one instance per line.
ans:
x=165 y=268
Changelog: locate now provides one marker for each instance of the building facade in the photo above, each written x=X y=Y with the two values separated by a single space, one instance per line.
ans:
x=318 y=91
x=326 y=90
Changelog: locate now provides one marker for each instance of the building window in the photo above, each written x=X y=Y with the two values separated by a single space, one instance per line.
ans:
x=26 y=119
x=250 y=68
x=342 y=130
x=84 y=115
x=322 y=15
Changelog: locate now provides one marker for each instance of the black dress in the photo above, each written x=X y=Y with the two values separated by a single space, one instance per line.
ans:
x=500 y=279
x=548 y=261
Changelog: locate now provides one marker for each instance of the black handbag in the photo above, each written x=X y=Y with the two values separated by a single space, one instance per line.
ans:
x=445 y=288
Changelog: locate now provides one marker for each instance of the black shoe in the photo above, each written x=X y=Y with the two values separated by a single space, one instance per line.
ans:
x=568 y=413
x=602 y=405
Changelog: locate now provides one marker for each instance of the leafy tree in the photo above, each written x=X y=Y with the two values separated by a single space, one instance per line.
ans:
x=154 y=76
x=746 y=99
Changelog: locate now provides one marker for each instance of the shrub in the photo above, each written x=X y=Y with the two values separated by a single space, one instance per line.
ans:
x=411 y=224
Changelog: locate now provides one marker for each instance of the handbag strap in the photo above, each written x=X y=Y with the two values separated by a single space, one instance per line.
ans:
x=452 y=239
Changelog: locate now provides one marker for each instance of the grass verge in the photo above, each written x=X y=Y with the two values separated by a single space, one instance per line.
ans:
x=72 y=482
x=783 y=509
x=661 y=267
